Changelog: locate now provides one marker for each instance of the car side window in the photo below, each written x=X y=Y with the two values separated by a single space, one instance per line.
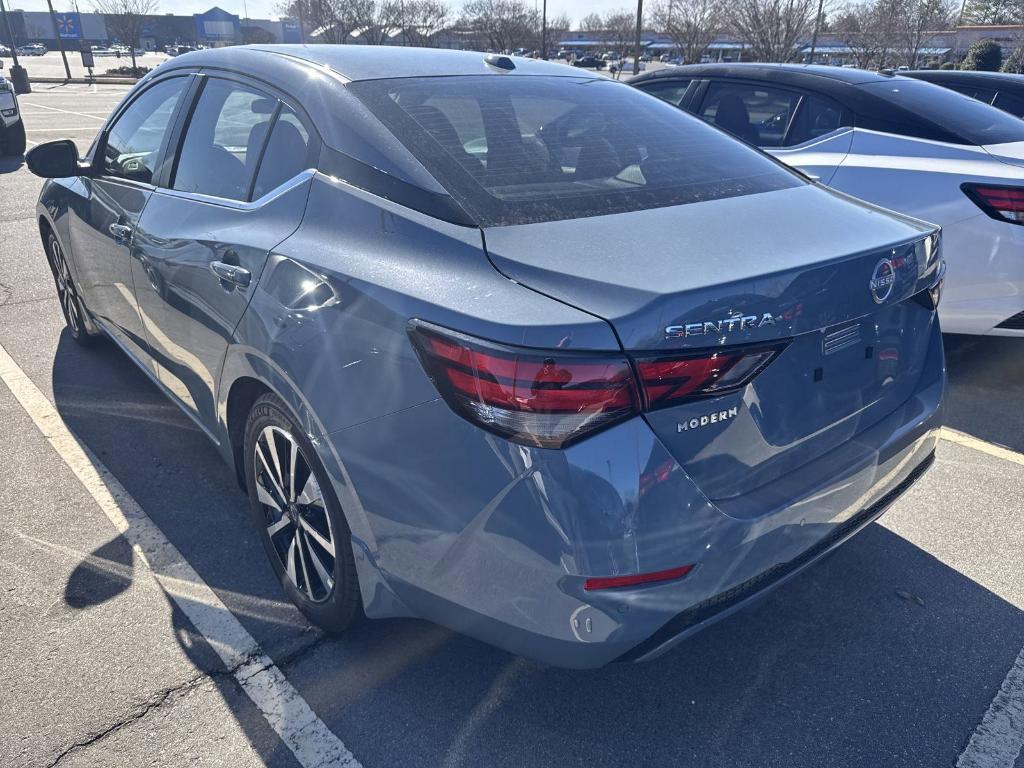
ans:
x=223 y=140
x=1009 y=103
x=754 y=113
x=815 y=117
x=981 y=94
x=671 y=91
x=133 y=143
x=286 y=153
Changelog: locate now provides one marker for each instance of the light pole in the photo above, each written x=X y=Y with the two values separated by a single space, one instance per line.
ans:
x=639 y=30
x=544 y=31
x=817 y=24
x=19 y=77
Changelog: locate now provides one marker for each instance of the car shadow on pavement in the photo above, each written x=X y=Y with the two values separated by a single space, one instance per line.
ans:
x=880 y=655
x=11 y=164
x=986 y=386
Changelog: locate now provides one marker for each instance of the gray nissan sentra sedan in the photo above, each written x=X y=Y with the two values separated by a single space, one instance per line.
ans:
x=501 y=344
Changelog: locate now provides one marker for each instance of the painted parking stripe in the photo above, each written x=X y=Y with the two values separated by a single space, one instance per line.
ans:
x=65 y=111
x=305 y=734
x=997 y=741
x=961 y=438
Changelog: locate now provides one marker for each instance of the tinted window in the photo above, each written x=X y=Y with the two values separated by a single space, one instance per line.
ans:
x=133 y=143
x=1010 y=103
x=671 y=91
x=223 y=141
x=286 y=154
x=972 y=121
x=755 y=114
x=815 y=117
x=981 y=94
x=520 y=149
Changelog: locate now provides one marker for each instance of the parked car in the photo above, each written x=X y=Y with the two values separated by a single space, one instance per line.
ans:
x=36 y=49
x=12 y=129
x=589 y=62
x=4 y=51
x=901 y=143
x=578 y=396
x=1000 y=89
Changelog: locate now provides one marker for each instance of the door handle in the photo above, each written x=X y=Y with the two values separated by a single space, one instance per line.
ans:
x=231 y=273
x=121 y=231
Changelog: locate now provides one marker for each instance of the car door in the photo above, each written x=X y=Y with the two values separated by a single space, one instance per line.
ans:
x=236 y=189
x=806 y=130
x=105 y=209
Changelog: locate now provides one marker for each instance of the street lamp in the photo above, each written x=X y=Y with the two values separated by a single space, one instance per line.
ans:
x=19 y=77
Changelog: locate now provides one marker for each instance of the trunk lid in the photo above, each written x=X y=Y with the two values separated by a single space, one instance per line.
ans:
x=830 y=277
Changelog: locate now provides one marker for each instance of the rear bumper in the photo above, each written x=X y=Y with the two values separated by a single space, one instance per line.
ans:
x=495 y=540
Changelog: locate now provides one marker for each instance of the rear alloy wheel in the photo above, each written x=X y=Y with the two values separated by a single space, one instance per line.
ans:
x=299 y=519
x=70 y=302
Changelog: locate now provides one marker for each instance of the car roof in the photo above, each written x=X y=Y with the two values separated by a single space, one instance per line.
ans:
x=373 y=62
x=782 y=73
x=961 y=76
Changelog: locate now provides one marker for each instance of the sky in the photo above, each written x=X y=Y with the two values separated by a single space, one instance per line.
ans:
x=265 y=9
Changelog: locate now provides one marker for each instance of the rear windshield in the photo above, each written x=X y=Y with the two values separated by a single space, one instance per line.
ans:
x=973 y=121
x=521 y=149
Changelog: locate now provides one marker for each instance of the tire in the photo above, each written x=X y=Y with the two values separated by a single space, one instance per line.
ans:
x=12 y=140
x=300 y=522
x=67 y=293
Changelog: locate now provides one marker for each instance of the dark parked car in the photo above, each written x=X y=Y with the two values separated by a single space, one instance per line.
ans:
x=1000 y=89
x=499 y=343
x=589 y=62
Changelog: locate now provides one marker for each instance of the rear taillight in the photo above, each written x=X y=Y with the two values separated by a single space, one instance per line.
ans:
x=536 y=397
x=999 y=202
x=669 y=381
x=595 y=583
x=552 y=398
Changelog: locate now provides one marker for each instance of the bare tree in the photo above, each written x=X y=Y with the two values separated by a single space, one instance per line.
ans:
x=869 y=31
x=692 y=25
x=506 y=24
x=558 y=28
x=421 y=20
x=918 y=23
x=377 y=20
x=329 y=21
x=125 y=20
x=592 y=22
x=620 y=27
x=772 y=28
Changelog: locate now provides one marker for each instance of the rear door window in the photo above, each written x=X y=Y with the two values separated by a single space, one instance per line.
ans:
x=286 y=154
x=815 y=117
x=1009 y=102
x=754 y=113
x=514 y=150
x=671 y=91
x=223 y=141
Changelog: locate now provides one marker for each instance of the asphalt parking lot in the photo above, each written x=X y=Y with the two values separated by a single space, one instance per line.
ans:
x=904 y=648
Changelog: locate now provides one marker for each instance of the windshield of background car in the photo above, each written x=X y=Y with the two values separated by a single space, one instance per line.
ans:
x=973 y=121
x=523 y=149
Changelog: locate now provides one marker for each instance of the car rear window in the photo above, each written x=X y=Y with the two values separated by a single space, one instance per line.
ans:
x=971 y=120
x=522 y=149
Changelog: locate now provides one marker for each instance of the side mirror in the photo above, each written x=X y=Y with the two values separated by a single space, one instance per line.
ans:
x=55 y=160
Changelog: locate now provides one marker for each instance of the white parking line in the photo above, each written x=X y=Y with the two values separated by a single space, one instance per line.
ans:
x=310 y=740
x=997 y=741
x=65 y=111
x=961 y=438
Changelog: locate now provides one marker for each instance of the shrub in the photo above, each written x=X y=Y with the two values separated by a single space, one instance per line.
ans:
x=983 y=55
x=1015 y=62
x=947 y=65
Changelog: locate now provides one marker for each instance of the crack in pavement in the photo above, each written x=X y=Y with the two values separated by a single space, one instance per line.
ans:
x=181 y=690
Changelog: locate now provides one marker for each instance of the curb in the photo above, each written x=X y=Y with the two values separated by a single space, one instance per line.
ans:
x=86 y=80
